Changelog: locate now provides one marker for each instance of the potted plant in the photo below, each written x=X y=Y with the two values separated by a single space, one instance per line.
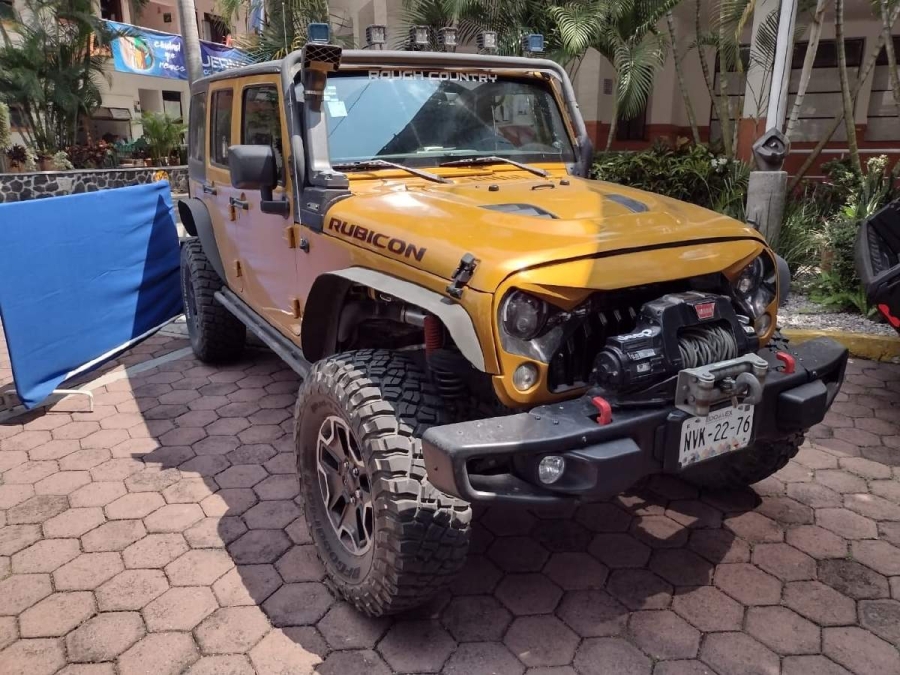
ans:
x=163 y=133
x=17 y=156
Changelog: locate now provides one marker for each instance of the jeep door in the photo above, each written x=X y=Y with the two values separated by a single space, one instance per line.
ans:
x=265 y=240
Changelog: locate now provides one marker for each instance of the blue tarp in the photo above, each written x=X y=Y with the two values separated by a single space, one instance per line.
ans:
x=81 y=276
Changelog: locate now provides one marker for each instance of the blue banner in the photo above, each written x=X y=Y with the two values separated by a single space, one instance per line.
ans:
x=148 y=52
x=82 y=277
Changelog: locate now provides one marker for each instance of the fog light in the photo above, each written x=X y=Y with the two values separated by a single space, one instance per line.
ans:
x=525 y=376
x=762 y=324
x=551 y=469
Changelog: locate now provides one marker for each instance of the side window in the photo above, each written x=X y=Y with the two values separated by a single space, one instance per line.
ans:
x=220 y=127
x=197 y=133
x=261 y=121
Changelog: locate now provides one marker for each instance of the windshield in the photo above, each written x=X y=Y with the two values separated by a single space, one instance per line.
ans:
x=423 y=118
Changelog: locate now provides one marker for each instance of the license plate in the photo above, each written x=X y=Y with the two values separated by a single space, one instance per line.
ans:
x=722 y=431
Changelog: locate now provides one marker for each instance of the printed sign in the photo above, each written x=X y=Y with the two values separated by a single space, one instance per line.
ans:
x=150 y=52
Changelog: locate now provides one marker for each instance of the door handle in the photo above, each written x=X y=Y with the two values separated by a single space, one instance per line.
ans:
x=239 y=203
x=209 y=189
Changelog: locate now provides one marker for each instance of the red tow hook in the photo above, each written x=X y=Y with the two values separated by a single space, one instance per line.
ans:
x=789 y=363
x=604 y=408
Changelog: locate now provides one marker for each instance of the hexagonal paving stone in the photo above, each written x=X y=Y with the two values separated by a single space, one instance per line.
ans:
x=97 y=494
x=56 y=614
x=576 y=571
x=247 y=585
x=681 y=567
x=104 y=637
x=298 y=604
x=877 y=555
x=73 y=522
x=215 y=532
x=783 y=631
x=189 y=491
x=748 y=584
x=803 y=665
x=786 y=511
x=179 y=609
x=113 y=536
x=37 y=509
x=17 y=537
x=242 y=476
x=45 y=556
x=199 y=567
x=819 y=603
x=518 y=554
x=868 y=505
x=619 y=550
x=482 y=657
x=416 y=646
x=12 y=495
x=738 y=653
x=882 y=617
x=360 y=662
x=87 y=571
x=131 y=590
x=300 y=563
x=231 y=664
x=346 y=628
x=846 y=524
x=559 y=535
x=708 y=609
x=639 y=589
x=860 y=651
x=659 y=532
x=853 y=580
x=173 y=518
x=62 y=483
x=693 y=513
x=283 y=486
x=599 y=656
x=278 y=653
x=21 y=591
x=32 y=657
x=603 y=517
x=816 y=542
x=719 y=546
x=230 y=502
x=541 y=641
x=30 y=472
x=161 y=654
x=155 y=550
x=528 y=594
x=664 y=635
x=85 y=460
x=234 y=629
x=135 y=505
x=593 y=613
x=815 y=495
x=272 y=514
x=8 y=632
x=204 y=466
x=755 y=528
x=259 y=546
x=784 y=562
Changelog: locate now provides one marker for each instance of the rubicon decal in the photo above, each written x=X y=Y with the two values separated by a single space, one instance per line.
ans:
x=377 y=239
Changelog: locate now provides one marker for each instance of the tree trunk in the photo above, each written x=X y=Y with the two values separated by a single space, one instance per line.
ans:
x=724 y=120
x=187 y=14
x=689 y=108
x=836 y=122
x=613 y=126
x=846 y=98
x=815 y=32
x=887 y=28
x=707 y=78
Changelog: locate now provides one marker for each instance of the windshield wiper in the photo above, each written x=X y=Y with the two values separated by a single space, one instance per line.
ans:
x=475 y=161
x=384 y=164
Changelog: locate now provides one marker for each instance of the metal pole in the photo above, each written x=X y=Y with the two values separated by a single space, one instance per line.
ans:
x=187 y=14
x=781 y=72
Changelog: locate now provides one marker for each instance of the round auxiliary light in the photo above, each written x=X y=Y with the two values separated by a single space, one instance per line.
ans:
x=525 y=376
x=550 y=469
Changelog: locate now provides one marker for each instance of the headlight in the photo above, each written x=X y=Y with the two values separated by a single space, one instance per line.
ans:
x=756 y=286
x=522 y=315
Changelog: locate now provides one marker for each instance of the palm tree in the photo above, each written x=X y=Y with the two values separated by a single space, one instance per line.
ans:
x=682 y=87
x=846 y=99
x=887 y=29
x=623 y=31
x=50 y=68
x=285 y=26
x=815 y=33
x=186 y=15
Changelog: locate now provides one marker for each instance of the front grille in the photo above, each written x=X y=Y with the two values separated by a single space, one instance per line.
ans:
x=571 y=365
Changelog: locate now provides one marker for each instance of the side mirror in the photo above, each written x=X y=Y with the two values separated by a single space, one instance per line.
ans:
x=253 y=167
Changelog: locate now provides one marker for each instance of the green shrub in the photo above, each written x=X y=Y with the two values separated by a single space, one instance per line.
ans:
x=688 y=172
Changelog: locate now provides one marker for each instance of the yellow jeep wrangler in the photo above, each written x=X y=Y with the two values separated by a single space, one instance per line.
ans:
x=474 y=320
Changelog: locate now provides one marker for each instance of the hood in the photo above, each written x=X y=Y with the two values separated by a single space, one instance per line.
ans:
x=515 y=224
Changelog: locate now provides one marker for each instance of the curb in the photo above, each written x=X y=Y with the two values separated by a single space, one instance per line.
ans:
x=874 y=347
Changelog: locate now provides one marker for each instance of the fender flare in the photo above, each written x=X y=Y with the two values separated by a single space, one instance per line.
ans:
x=453 y=315
x=195 y=218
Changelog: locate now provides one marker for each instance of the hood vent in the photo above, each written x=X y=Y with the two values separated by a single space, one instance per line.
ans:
x=631 y=204
x=521 y=210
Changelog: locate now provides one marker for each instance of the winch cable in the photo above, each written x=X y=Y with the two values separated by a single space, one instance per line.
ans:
x=702 y=345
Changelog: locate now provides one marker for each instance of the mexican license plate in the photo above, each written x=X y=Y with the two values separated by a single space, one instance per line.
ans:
x=722 y=431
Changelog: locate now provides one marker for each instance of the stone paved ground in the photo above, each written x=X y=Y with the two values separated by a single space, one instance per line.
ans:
x=162 y=533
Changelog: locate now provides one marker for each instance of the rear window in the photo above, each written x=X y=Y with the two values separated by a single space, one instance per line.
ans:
x=197 y=132
x=220 y=128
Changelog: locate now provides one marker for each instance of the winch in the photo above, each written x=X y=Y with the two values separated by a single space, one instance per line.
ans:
x=674 y=332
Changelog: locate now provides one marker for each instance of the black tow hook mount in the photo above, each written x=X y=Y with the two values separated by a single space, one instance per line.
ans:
x=462 y=275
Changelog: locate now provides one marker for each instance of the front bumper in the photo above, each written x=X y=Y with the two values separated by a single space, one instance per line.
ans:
x=602 y=461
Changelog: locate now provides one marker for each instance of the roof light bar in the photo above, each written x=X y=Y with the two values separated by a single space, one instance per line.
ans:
x=376 y=36
x=419 y=37
x=533 y=44
x=447 y=38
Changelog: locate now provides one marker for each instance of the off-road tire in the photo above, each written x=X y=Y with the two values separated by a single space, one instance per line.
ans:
x=747 y=467
x=420 y=535
x=216 y=334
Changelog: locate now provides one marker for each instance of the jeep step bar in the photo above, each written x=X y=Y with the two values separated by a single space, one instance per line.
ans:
x=290 y=353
